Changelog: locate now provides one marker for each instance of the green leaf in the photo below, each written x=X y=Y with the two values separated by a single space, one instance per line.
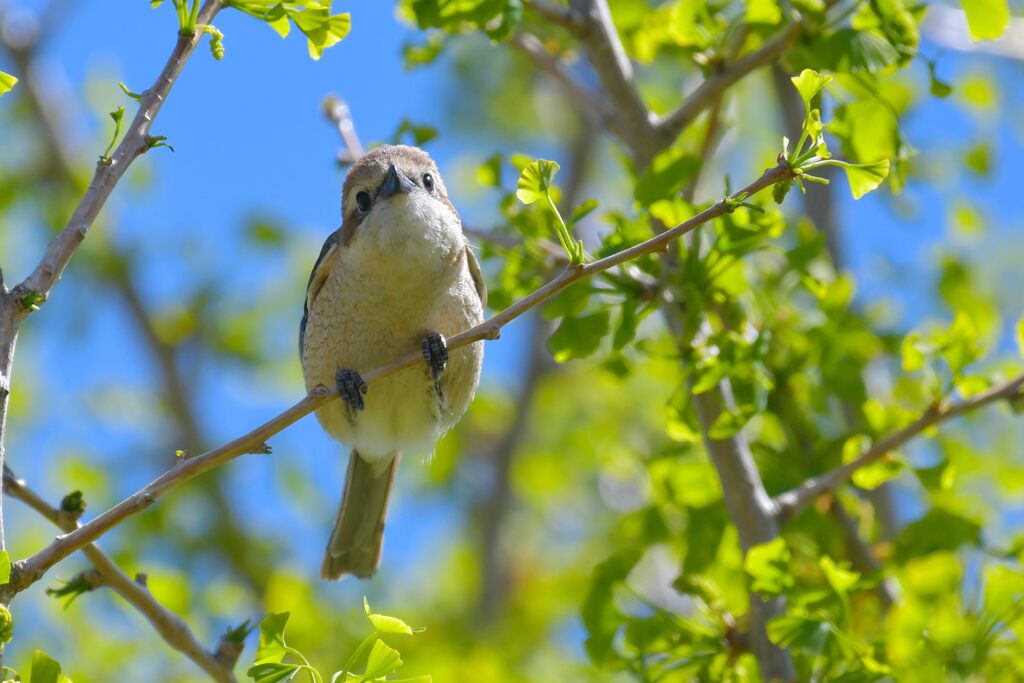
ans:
x=864 y=177
x=321 y=28
x=936 y=86
x=848 y=50
x=5 y=567
x=705 y=528
x=666 y=175
x=421 y=133
x=535 y=181
x=489 y=172
x=768 y=567
x=272 y=647
x=939 y=530
x=578 y=337
x=809 y=83
x=875 y=474
x=385 y=624
x=911 y=353
x=727 y=424
x=7 y=82
x=763 y=12
x=841 y=580
x=272 y=672
x=46 y=669
x=959 y=345
x=812 y=636
x=986 y=19
x=583 y=210
x=383 y=660
x=601 y=616
x=939 y=477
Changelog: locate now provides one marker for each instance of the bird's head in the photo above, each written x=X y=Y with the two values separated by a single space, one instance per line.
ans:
x=395 y=194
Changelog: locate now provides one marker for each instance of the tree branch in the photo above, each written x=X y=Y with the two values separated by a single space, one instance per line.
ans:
x=790 y=503
x=609 y=59
x=166 y=356
x=30 y=570
x=171 y=628
x=338 y=113
x=134 y=144
x=670 y=127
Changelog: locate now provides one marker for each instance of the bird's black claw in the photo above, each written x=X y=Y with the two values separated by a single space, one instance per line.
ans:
x=351 y=388
x=435 y=352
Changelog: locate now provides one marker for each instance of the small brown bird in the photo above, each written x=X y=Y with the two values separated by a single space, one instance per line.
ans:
x=398 y=276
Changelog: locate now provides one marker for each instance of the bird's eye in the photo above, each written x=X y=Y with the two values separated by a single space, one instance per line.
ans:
x=428 y=182
x=363 y=201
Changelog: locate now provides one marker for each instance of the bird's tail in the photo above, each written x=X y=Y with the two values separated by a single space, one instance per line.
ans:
x=358 y=534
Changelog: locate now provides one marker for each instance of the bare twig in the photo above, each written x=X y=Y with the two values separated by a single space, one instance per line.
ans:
x=790 y=503
x=338 y=113
x=170 y=627
x=30 y=570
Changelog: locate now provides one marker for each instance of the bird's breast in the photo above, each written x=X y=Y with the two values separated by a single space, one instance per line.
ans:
x=372 y=312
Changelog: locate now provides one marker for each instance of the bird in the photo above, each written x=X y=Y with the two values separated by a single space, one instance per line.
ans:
x=398 y=276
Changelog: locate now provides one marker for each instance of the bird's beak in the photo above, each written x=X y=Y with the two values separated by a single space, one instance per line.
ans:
x=394 y=181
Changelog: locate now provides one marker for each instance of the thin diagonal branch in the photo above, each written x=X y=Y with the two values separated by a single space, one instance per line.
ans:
x=171 y=628
x=134 y=144
x=28 y=571
x=166 y=356
x=670 y=127
x=790 y=503
x=37 y=286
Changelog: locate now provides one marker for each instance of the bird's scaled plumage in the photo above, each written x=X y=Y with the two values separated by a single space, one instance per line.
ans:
x=398 y=269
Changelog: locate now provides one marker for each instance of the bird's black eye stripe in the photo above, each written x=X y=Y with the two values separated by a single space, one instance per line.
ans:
x=363 y=201
x=428 y=182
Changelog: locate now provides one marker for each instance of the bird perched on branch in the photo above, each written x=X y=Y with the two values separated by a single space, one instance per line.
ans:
x=396 y=277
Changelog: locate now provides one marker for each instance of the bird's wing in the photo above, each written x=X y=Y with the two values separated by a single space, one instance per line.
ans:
x=317 y=278
x=478 y=276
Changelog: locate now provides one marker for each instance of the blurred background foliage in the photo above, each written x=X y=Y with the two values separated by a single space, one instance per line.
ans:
x=571 y=527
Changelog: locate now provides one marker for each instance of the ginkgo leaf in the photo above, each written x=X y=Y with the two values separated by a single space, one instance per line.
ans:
x=809 y=83
x=535 y=180
x=864 y=177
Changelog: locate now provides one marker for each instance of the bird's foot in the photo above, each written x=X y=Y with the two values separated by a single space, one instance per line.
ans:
x=435 y=352
x=351 y=388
